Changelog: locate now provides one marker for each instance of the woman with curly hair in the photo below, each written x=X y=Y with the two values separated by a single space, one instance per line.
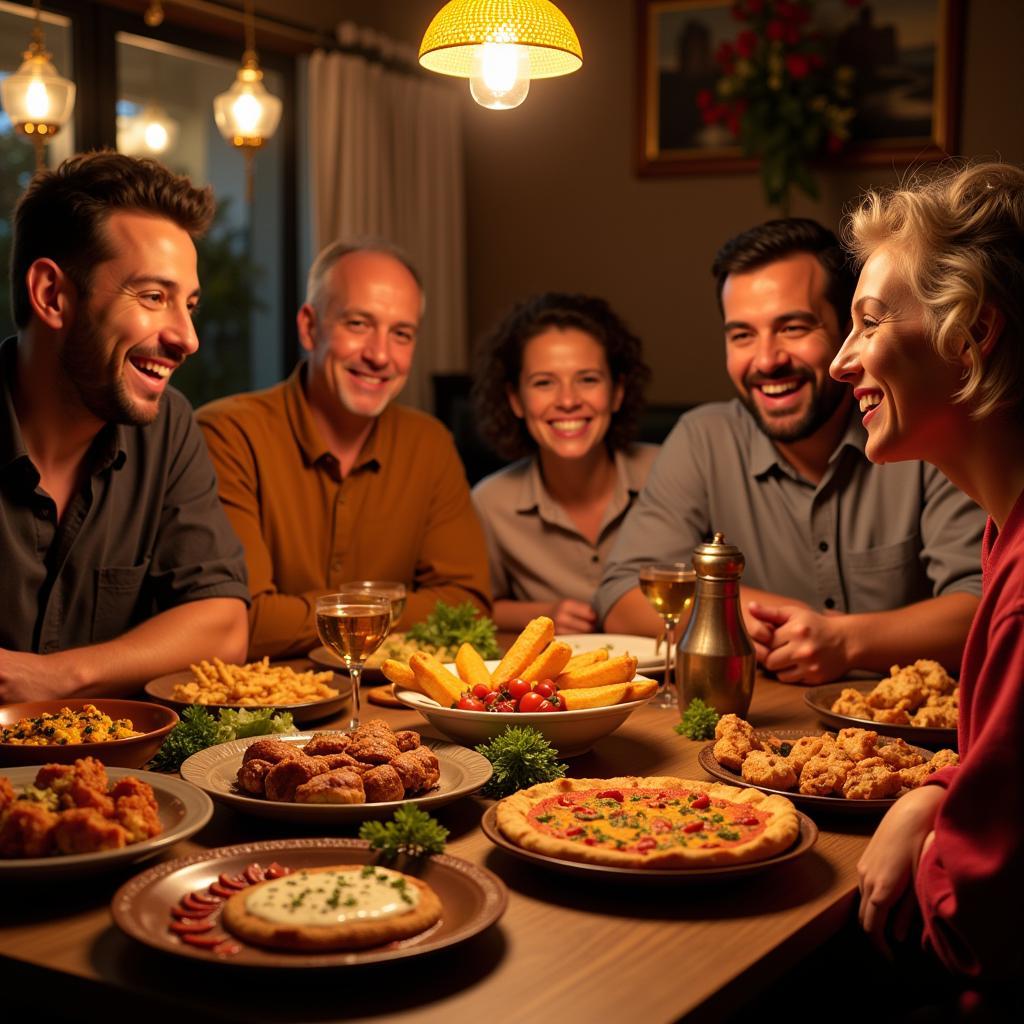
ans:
x=559 y=387
x=936 y=361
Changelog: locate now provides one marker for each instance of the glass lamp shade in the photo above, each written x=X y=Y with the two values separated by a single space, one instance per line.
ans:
x=247 y=115
x=36 y=99
x=148 y=133
x=451 y=43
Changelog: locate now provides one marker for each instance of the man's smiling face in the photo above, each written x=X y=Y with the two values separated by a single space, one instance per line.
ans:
x=781 y=333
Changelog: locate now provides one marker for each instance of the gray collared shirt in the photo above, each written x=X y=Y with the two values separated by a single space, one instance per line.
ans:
x=536 y=552
x=143 y=534
x=866 y=538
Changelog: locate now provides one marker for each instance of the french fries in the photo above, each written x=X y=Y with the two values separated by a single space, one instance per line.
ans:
x=399 y=674
x=601 y=673
x=640 y=689
x=471 y=668
x=594 y=696
x=527 y=648
x=435 y=680
x=585 y=659
x=551 y=662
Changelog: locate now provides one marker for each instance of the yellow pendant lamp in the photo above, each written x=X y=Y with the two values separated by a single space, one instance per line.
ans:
x=500 y=45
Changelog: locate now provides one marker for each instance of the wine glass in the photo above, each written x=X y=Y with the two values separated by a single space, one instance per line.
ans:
x=669 y=587
x=393 y=591
x=353 y=624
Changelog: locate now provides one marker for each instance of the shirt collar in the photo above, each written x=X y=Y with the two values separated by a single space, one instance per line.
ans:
x=764 y=456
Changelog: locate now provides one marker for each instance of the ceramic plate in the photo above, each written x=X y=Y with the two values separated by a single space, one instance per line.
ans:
x=644 y=648
x=472 y=899
x=808 y=837
x=184 y=810
x=831 y=804
x=821 y=699
x=213 y=770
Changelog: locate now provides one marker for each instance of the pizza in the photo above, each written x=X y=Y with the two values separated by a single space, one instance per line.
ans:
x=332 y=908
x=654 y=823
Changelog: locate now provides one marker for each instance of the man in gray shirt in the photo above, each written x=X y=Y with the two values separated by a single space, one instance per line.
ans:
x=850 y=565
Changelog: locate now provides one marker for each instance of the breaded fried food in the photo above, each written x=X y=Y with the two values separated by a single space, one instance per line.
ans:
x=871 y=779
x=382 y=784
x=734 y=739
x=903 y=689
x=418 y=769
x=341 y=786
x=26 y=830
x=7 y=796
x=935 y=678
x=60 y=777
x=732 y=724
x=898 y=754
x=763 y=769
x=138 y=817
x=549 y=664
x=84 y=830
x=286 y=776
x=399 y=674
x=825 y=774
x=911 y=778
x=601 y=673
x=851 y=702
x=802 y=750
x=322 y=743
x=375 y=748
x=892 y=716
x=471 y=668
x=594 y=696
x=80 y=794
x=943 y=759
x=524 y=651
x=858 y=744
x=252 y=776
x=585 y=659
x=434 y=680
x=936 y=716
x=916 y=776
x=270 y=750
x=407 y=739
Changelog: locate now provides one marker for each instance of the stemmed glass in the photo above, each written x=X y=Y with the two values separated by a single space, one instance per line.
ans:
x=353 y=624
x=395 y=592
x=669 y=587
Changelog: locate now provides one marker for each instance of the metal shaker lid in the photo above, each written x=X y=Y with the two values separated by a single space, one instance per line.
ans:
x=717 y=560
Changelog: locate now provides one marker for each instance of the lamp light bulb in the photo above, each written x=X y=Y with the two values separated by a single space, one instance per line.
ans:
x=247 y=111
x=155 y=136
x=37 y=100
x=501 y=75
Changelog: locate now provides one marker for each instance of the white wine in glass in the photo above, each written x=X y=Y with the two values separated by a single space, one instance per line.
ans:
x=395 y=592
x=669 y=587
x=353 y=624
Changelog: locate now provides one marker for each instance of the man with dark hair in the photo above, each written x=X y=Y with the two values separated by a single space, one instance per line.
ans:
x=119 y=564
x=849 y=565
x=327 y=480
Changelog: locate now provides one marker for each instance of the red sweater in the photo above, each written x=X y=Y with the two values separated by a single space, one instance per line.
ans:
x=970 y=881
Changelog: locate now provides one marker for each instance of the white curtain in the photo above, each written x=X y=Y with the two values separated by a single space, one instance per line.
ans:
x=385 y=161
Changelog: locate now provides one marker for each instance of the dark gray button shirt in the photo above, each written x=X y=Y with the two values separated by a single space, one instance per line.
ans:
x=867 y=538
x=145 y=533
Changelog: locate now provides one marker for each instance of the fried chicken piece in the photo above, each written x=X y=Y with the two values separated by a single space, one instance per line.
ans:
x=286 y=776
x=418 y=769
x=734 y=724
x=871 y=779
x=851 y=702
x=825 y=773
x=916 y=776
x=407 y=739
x=373 y=725
x=734 y=739
x=858 y=744
x=936 y=716
x=7 y=795
x=131 y=786
x=270 y=750
x=763 y=769
x=342 y=786
x=935 y=678
x=802 y=750
x=324 y=743
x=375 y=748
x=903 y=689
x=60 y=777
x=383 y=783
x=342 y=761
x=85 y=830
x=56 y=777
x=138 y=817
x=27 y=830
x=942 y=759
x=899 y=754
x=252 y=777
x=80 y=794
x=892 y=716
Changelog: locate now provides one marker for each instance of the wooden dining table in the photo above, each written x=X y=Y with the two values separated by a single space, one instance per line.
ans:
x=567 y=949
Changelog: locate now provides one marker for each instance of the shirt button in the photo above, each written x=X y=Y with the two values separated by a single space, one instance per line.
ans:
x=823 y=545
x=829 y=602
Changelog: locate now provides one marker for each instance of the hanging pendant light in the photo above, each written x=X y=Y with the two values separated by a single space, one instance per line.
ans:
x=500 y=46
x=36 y=99
x=247 y=115
x=151 y=132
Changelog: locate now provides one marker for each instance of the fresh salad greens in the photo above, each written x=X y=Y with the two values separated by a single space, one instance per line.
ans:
x=198 y=729
x=521 y=757
x=699 y=721
x=410 y=831
x=453 y=625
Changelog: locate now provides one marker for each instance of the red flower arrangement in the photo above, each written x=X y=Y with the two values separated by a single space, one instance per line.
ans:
x=777 y=95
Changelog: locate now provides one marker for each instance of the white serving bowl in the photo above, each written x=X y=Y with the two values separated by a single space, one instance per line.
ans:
x=571 y=733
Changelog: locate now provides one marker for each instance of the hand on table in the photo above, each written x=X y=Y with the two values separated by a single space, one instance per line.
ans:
x=574 y=617
x=805 y=646
x=887 y=865
x=32 y=677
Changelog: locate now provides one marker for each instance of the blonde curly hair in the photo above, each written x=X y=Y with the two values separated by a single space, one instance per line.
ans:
x=958 y=241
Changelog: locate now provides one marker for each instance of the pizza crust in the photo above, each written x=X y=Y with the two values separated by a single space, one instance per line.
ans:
x=781 y=830
x=327 y=938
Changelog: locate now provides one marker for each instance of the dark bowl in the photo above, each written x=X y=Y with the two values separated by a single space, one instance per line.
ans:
x=152 y=720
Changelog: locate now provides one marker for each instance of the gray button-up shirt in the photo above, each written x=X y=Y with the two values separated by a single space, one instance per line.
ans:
x=536 y=552
x=145 y=532
x=866 y=538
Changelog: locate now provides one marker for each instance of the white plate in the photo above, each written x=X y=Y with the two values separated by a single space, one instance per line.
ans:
x=183 y=811
x=641 y=647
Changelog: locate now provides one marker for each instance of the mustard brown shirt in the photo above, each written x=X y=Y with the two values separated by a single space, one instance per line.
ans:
x=402 y=513
x=143 y=534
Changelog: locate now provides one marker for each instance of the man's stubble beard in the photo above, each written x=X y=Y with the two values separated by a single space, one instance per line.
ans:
x=822 y=407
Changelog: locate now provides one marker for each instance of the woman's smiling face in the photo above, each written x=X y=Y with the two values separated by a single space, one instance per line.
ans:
x=904 y=387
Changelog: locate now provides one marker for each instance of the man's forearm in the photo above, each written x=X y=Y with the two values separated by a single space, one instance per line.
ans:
x=935 y=629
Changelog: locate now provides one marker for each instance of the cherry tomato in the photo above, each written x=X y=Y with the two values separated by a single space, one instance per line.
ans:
x=546 y=688
x=467 y=702
x=701 y=802
x=480 y=691
x=531 y=701
x=547 y=705
x=504 y=706
x=492 y=698
x=518 y=688
x=557 y=702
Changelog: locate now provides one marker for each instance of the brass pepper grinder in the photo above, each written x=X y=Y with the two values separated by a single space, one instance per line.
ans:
x=716 y=658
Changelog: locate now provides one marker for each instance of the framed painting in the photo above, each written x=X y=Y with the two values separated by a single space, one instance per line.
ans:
x=904 y=60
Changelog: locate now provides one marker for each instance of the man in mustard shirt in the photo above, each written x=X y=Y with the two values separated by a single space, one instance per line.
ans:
x=327 y=480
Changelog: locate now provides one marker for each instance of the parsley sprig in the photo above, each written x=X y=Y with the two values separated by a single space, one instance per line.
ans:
x=410 y=831
x=521 y=757
x=453 y=625
x=699 y=721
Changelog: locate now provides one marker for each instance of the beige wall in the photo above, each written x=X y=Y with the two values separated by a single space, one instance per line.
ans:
x=553 y=201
